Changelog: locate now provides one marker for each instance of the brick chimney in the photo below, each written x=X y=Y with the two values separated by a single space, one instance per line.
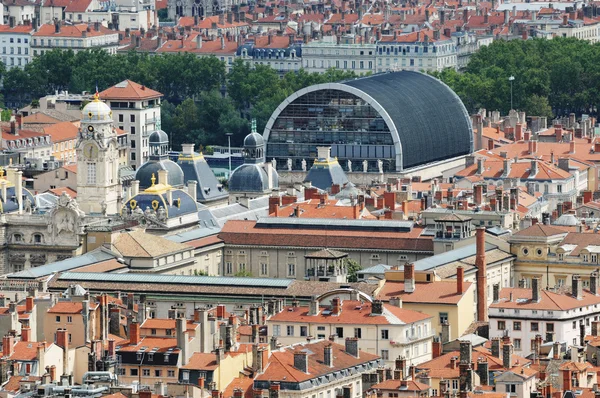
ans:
x=29 y=304
x=134 y=333
x=409 y=277
x=274 y=203
x=336 y=306
x=481 y=275
x=8 y=343
x=62 y=340
x=25 y=334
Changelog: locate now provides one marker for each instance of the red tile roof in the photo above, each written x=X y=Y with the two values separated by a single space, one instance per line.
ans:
x=128 y=90
x=63 y=131
x=161 y=323
x=433 y=292
x=72 y=31
x=394 y=384
x=494 y=169
x=549 y=301
x=66 y=307
x=281 y=363
x=27 y=350
x=162 y=343
x=59 y=191
x=245 y=233
x=202 y=361
x=353 y=312
x=441 y=367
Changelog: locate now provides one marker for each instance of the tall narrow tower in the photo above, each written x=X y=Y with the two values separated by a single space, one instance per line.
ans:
x=98 y=187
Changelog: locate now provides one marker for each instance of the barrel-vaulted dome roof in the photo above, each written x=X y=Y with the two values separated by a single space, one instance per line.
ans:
x=426 y=119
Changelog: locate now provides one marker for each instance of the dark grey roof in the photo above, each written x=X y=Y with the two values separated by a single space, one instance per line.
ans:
x=176 y=279
x=249 y=178
x=158 y=136
x=253 y=140
x=144 y=173
x=323 y=176
x=195 y=168
x=92 y=257
x=432 y=121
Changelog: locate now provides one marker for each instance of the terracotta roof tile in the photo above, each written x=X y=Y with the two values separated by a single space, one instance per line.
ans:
x=245 y=233
x=162 y=343
x=432 y=292
x=66 y=307
x=141 y=244
x=128 y=90
x=353 y=312
x=549 y=301
x=202 y=361
x=281 y=363
x=63 y=131
x=59 y=191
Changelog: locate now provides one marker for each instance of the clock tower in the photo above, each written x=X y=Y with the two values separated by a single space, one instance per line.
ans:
x=98 y=187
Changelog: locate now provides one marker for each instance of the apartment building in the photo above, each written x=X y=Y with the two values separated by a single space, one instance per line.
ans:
x=350 y=54
x=77 y=37
x=16 y=45
x=555 y=315
x=135 y=110
x=386 y=330
x=426 y=49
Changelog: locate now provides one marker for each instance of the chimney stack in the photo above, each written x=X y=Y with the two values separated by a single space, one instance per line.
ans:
x=506 y=354
x=301 y=361
x=577 y=287
x=481 y=275
x=535 y=290
x=409 y=277
x=460 y=279
x=352 y=346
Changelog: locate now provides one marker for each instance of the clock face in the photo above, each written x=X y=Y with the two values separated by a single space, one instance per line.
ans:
x=90 y=151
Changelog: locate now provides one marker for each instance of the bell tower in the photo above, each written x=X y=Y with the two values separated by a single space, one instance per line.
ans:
x=98 y=187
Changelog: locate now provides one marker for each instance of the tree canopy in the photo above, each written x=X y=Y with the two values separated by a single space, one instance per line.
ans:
x=556 y=76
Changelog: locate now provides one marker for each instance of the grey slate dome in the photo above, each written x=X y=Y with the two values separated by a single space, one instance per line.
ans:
x=567 y=220
x=249 y=178
x=406 y=119
x=144 y=173
x=253 y=140
x=158 y=137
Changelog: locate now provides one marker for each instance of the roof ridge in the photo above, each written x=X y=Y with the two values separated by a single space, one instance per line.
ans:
x=138 y=242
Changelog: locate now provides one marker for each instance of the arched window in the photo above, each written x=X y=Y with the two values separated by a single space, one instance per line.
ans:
x=17 y=237
x=37 y=238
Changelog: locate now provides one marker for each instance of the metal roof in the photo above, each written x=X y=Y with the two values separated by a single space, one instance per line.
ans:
x=449 y=257
x=376 y=269
x=332 y=223
x=176 y=279
x=93 y=257
x=432 y=122
x=196 y=233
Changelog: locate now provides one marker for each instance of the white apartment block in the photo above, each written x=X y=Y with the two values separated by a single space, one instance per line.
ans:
x=424 y=50
x=18 y=12
x=74 y=37
x=16 y=41
x=386 y=330
x=136 y=110
x=318 y=56
x=523 y=313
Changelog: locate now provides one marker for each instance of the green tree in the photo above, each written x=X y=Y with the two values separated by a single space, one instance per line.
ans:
x=5 y=115
x=352 y=266
x=243 y=274
x=538 y=105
